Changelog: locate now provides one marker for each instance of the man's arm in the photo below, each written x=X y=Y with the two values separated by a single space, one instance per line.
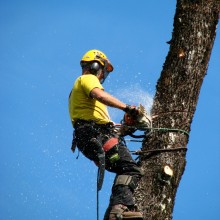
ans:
x=107 y=99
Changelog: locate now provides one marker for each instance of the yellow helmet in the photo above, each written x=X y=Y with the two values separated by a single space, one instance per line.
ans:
x=97 y=55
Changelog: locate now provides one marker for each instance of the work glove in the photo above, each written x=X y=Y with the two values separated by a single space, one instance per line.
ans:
x=130 y=119
x=132 y=111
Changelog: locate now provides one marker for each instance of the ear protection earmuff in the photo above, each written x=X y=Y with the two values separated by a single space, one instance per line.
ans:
x=95 y=66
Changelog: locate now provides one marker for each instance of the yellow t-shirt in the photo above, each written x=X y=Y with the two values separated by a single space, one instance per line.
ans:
x=82 y=106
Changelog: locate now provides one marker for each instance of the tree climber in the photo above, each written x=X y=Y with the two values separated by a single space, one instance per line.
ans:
x=93 y=128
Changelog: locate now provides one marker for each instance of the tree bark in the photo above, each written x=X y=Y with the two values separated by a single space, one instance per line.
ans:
x=177 y=92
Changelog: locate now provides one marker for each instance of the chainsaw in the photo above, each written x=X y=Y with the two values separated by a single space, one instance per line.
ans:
x=142 y=121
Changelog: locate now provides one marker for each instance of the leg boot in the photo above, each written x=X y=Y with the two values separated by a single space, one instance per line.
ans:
x=121 y=212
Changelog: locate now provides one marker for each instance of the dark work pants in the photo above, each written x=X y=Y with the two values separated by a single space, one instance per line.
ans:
x=84 y=132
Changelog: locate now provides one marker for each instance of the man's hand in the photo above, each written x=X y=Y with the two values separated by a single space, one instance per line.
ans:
x=131 y=111
x=131 y=115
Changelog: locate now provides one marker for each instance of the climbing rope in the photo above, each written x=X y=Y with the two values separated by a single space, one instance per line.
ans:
x=144 y=128
x=149 y=131
x=143 y=152
x=170 y=130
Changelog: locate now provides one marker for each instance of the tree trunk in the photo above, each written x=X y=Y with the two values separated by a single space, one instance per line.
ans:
x=164 y=150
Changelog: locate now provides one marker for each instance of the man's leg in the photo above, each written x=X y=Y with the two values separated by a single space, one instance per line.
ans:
x=126 y=180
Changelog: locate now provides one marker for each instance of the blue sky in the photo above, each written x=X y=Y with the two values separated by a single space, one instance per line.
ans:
x=41 y=44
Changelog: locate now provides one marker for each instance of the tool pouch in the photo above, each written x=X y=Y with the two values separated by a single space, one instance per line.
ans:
x=111 y=149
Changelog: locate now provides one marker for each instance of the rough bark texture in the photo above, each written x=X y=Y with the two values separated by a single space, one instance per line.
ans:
x=174 y=105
